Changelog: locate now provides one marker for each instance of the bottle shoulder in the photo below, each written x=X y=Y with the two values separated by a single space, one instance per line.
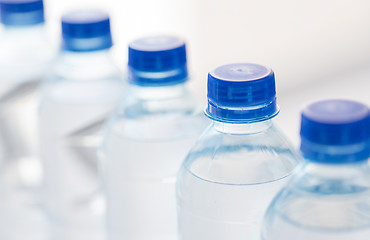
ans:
x=242 y=158
x=158 y=118
x=25 y=41
x=84 y=77
x=325 y=199
x=84 y=66
x=107 y=89
x=25 y=55
x=320 y=180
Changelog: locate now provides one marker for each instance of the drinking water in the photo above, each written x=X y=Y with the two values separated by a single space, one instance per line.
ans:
x=329 y=197
x=25 y=57
x=147 y=139
x=239 y=163
x=82 y=90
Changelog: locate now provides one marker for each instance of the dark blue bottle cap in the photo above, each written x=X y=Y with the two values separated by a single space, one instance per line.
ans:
x=86 y=30
x=157 y=61
x=21 y=12
x=241 y=92
x=335 y=131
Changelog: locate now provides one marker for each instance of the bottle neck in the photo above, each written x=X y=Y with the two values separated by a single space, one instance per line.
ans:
x=244 y=128
x=337 y=171
x=335 y=154
x=86 y=66
x=158 y=92
x=40 y=27
x=86 y=58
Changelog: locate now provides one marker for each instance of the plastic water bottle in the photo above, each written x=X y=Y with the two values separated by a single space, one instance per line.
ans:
x=147 y=140
x=25 y=55
x=81 y=92
x=239 y=163
x=329 y=197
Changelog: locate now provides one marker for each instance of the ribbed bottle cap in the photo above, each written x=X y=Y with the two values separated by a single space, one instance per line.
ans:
x=157 y=60
x=241 y=92
x=21 y=12
x=335 y=131
x=86 y=30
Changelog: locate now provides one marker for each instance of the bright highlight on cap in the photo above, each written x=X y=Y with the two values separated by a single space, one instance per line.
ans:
x=241 y=72
x=157 y=43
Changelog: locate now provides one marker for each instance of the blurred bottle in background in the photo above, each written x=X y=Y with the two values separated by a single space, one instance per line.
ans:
x=82 y=90
x=329 y=197
x=147 y=139
x=25 y=56
x=239 y=163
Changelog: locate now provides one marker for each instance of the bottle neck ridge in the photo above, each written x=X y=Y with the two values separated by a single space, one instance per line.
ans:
x=242 y=128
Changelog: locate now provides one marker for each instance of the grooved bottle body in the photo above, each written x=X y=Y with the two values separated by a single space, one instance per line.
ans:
x=322 y=202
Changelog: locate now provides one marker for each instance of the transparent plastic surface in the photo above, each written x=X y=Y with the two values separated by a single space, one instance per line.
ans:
x=229 y=178
x=322 y=202
x=25 y=57
x=80 y=94
x=146 y=142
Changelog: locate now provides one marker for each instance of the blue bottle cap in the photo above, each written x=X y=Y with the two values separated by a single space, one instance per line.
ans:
x=241 y=92
x=157 y=61
x=86 y=30
x=335 y=131
x=21 y=12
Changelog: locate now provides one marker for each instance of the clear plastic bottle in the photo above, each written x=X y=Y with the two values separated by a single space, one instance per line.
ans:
x=82 y=90
x=239 y=163
x=329 y=197
x=147 y=140
x=25 y=56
